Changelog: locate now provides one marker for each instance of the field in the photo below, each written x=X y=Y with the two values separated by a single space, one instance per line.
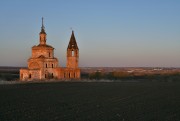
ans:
x=95 y=101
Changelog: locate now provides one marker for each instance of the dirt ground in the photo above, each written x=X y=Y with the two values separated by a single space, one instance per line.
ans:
x=90 y=101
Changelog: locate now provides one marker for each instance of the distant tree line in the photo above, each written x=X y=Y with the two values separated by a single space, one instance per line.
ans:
x=115 y=75
x=9 y=75
x=122 y=75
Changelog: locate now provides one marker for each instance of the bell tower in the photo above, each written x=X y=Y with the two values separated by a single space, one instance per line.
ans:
x=42 y=35
x=72 y=53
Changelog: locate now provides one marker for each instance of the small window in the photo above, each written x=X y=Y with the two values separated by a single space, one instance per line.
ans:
x=29 y=75
x=46 y=65
x=52 y=65
x=49 y=54
x=52 y=75
x=69 y=75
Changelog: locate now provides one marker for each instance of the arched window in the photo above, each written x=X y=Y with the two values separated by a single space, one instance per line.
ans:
x=29 y=75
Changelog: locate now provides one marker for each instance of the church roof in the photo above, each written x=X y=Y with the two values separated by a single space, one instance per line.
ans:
x=72 y=42
x=42 y=31
x=49 y=46
x=44 y=46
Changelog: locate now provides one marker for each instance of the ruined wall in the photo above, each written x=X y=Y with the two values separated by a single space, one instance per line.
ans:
x=68 y=73
x=28 y=74
x=24 y=74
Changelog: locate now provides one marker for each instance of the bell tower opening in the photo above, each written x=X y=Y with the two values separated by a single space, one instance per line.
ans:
x=72 y=53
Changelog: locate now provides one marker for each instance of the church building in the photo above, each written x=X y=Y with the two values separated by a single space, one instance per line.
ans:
x=42 y=64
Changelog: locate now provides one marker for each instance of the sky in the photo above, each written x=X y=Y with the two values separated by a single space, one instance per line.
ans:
x=109 y=33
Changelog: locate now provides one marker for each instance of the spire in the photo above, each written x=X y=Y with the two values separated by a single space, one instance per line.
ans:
x=42 y=27
x=42 y=35
x=42 y=21
x=72 y=42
